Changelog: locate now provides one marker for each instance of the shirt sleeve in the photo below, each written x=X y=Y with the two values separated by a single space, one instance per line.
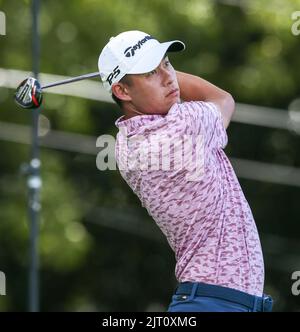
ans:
x=204 y=118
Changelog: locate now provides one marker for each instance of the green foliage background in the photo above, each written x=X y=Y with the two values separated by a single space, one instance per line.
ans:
x=87 y=263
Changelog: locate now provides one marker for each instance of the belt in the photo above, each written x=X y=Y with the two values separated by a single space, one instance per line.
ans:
x=253 y=302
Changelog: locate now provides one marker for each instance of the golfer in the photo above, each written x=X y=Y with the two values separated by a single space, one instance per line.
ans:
x=200 y=206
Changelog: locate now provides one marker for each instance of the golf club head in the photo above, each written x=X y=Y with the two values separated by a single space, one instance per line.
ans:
x=29 y=93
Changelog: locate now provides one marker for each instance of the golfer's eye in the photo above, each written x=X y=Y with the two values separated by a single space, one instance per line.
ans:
x=152 y=72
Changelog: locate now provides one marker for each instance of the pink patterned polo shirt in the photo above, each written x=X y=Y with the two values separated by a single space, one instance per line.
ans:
x=205 y=218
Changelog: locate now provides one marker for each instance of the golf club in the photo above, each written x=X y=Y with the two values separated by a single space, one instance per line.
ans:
x=29 y=92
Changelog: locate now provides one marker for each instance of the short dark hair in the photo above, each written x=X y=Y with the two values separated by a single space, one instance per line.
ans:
x=125 y=80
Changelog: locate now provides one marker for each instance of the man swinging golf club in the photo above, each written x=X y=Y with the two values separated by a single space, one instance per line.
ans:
x=207 y=222
x=205 y=218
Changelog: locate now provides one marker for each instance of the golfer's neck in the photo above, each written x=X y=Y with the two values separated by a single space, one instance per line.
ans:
x=130 y=111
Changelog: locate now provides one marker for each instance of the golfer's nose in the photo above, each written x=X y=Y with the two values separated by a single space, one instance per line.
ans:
x=167 y=77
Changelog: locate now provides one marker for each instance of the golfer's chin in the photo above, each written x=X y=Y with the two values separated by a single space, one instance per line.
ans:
x=167 y=108
x=175 y=100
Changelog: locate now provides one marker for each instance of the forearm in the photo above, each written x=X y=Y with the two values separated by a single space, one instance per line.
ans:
x=196 y=88
x=193 y=88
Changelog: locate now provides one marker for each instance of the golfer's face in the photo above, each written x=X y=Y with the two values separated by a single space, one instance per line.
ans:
x=155 y=92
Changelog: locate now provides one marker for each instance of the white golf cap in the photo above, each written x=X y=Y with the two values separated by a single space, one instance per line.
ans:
x=132 y=52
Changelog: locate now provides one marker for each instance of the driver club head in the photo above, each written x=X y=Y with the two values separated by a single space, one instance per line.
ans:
x=29 y=93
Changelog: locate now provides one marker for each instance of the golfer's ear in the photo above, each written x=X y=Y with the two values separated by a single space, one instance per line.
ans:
x=120 y=91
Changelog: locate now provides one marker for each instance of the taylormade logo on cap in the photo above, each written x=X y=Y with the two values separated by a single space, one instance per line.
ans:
x=132 y=52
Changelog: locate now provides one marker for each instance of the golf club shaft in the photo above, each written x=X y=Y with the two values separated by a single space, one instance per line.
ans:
x=70 y=80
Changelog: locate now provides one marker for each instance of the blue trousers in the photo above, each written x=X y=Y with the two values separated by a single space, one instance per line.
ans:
x=200 y=297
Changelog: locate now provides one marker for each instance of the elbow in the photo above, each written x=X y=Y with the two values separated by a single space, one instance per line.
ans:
x=228 y=108
x=230 y=104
